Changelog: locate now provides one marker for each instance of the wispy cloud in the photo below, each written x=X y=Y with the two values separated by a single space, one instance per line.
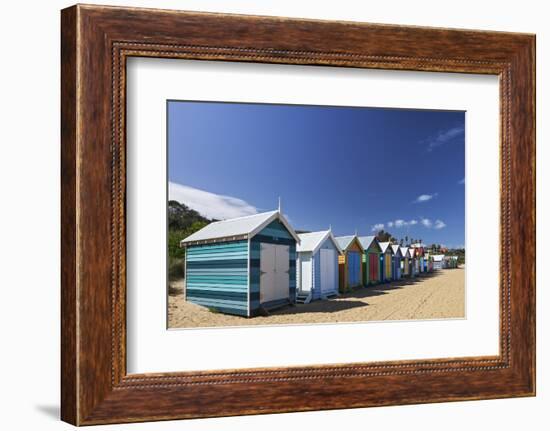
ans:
x=401 y=223
x=425 y=198
x=462 y=181
x=439 y=224
x=209 y=204
x=444 y=136
x=426 y=222
x=378 y=227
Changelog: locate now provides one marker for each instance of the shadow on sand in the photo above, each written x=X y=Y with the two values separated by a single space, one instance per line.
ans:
x=354 y=298
x=384 y=288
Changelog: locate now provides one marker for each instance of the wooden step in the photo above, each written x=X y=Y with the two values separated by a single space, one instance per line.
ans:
x=303 y=298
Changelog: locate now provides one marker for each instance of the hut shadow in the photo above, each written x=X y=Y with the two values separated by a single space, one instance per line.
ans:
x=354 y=299
x=320 y=306
x=384 y=288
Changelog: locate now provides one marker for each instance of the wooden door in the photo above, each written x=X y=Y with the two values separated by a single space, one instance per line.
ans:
x=328 y=261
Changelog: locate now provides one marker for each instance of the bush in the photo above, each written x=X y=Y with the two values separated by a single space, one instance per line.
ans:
x=182 y=222
x=176 y=268
x=174 y=238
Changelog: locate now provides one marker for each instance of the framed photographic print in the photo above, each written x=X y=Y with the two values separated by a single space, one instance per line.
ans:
x=333 y=214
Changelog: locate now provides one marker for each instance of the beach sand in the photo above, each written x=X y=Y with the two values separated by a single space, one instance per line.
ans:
x=437 y=295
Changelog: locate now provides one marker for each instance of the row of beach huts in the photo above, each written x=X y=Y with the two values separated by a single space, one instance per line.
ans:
x=247 y=265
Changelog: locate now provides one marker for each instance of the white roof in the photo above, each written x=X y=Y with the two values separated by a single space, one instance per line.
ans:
x=345 y=241
x=412 y=251
x=238 y=228
x=405 y=251
x=396 y=249
x=438 y=257
x=384 y=246
x=312 y=241
x=366 y=241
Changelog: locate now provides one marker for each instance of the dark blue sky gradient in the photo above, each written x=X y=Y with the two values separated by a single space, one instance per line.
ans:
x=349 y=167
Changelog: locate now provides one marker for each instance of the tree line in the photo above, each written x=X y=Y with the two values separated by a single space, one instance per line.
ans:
x=182 y=222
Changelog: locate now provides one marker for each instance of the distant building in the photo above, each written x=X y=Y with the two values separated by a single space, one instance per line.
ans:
x=438 y=261
x=386 y=261
x=405 y=262
x=413 y=262
x=397 y=258
x=420 y=257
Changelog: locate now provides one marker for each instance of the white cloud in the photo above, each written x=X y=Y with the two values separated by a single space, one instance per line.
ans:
x=439 y=224
x=377 y=227
x=210 y=205
x=400 y=223
x=425 y=198
x=444 y=136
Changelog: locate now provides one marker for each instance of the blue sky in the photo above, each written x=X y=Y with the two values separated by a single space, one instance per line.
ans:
x=351 y=168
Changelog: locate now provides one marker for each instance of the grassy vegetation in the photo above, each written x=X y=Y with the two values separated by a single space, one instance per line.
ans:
x=175 y=268
x=182 y=222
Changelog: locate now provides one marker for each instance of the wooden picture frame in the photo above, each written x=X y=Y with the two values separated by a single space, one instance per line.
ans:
x=95 y=43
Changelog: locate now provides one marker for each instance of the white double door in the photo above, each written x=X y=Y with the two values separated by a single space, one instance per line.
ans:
x=328 y=264
x=274 y=272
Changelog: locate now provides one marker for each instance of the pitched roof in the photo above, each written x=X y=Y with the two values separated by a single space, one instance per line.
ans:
x=366 y=241
x=412 y=251
x=405 y=251
x=345 y=241
x=237 y=228
x=438 y=257
x=384 y=246
x=396 y=249
x=312 y=241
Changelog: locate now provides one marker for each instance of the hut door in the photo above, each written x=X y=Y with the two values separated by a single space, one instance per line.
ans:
x=305 y=270
x=328 y=270
x=354 y=267
x=373 y=267
x=274 y=272
x=267 y=272
x=396 y=267
x=282 y=271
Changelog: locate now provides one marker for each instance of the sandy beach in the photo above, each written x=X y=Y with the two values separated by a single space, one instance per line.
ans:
x=433 y=296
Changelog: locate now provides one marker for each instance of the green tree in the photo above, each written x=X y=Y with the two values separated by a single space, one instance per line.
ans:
x=383 y=236
x=182 y=222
